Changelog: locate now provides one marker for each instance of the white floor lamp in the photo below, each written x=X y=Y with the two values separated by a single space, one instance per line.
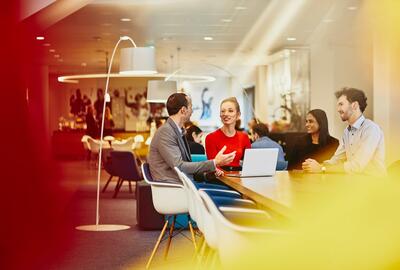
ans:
x=134 y=60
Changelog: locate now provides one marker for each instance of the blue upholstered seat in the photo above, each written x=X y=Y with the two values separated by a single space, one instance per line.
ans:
x=198 y=157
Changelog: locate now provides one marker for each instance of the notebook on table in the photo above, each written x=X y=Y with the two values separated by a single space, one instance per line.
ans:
x=257 y=162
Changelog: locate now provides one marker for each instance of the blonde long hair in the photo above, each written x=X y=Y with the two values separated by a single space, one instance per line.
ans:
x=234 y=101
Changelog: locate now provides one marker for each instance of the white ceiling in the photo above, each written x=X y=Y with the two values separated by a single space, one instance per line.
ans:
x=82 y=39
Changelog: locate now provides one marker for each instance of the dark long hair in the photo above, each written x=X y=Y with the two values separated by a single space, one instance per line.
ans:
x=190 y=130
x=322 y=121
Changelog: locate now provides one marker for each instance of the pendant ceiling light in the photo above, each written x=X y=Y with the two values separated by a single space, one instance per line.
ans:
x=137 y=60
x=158 y=91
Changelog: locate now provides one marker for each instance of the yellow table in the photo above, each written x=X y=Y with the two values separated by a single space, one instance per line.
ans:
x=286 y=191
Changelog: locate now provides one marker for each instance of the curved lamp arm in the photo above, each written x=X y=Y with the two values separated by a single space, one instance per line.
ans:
x=106 y=97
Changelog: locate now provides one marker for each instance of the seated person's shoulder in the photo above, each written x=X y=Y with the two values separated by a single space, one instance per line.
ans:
x=332 y=140
x=372 y=126
x=302 y=140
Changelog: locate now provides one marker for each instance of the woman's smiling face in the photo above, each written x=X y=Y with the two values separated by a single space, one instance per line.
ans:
x=229 y=113
x=311 y=124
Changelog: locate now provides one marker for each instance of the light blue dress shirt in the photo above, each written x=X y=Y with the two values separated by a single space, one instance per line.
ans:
x=265 y=142
x=361 y=149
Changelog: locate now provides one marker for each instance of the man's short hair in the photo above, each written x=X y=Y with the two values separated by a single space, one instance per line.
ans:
x=352 y=95
x=175 y=102
x=261 y=130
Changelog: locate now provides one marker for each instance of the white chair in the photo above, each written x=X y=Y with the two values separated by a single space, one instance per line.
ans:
x=168 y=199
x=124 y=145
x=231 y=225
x=194 y=198
x=139 y=139
x=94 y=146
x=85 y=144
x=203 y=218
x=109 y=138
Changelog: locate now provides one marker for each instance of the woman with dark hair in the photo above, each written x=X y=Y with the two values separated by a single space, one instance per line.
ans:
x=194 y=135
x=317 y=144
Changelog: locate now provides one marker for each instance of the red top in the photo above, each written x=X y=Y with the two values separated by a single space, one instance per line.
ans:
x=217 y=139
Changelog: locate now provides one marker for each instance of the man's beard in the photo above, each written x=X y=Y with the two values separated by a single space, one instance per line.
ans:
x=346 y=116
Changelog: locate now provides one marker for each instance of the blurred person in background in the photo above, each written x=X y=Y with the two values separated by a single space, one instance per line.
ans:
x=194 y=137
x=261 y=140
x=108 y=123
x=92 y=126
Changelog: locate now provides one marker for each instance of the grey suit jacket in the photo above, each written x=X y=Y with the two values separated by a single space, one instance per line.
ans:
x=167 y=150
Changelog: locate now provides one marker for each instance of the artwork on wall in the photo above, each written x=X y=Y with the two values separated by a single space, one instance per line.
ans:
x=137 y=110
x=118 y=112
x=288 y=86
x=205 y=99
x=133 y=113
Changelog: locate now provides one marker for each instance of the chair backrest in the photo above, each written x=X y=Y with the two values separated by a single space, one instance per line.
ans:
x=125 y=166
x=146 y=173
x=191 y=204
x=228 y=232
x=168 y=198
x=124 y=145
x=94 y=145
x=198 y=157
x=85 y=142
x=204 y=219
x=108 y=166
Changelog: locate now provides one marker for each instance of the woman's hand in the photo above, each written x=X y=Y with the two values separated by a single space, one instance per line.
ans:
x=311 y=165
x=219 y=172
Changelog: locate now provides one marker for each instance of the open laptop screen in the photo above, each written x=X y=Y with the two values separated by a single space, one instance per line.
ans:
x=258 y=162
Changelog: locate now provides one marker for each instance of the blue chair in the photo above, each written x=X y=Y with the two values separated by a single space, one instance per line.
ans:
x=125 y=166
x=109 y=168
x=198 y=157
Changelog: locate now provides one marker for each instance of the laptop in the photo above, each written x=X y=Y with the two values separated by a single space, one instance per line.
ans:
x=258 y=162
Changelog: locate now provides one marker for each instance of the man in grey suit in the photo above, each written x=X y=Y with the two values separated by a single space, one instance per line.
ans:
x=169 y=148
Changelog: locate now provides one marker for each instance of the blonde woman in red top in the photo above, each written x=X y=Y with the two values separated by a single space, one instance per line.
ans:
x=227 y=135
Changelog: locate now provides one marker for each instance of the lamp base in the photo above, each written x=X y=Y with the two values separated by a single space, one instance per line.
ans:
x=102 y=228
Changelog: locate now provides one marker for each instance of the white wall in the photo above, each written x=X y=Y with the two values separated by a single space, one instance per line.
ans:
x=386 y=58
x=334 y=67
x=341 y=56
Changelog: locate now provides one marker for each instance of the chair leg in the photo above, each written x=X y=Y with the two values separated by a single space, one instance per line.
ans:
x=157 y=244
x=214 y=260
x=196 y=255
x=202 y=254
x=171 y=231
x=192 y=234
x=208 y=257
x=108 y=181
x=130 y=186
x=117 y=187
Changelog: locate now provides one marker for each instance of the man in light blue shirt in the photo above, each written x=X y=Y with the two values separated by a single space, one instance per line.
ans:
x=261 y=140
x=362 y=147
